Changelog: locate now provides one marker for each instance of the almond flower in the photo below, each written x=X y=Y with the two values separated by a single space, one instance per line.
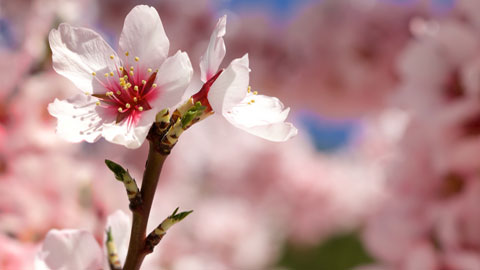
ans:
x=121 y=93
x=78 y=249
x=227 y=91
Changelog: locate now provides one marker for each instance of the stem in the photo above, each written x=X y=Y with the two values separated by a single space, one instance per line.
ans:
x=136 y=247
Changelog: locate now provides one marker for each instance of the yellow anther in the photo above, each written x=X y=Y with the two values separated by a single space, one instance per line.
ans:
x=97 y=103
x=149 y=70
x=120 y=68
x=120 y=109
x=125 y=77
x=87 y=93
x=131 y=73
x=249 y=103
x=111 y=73
x=135 y=99
x=94 y=73
x=131 y=68
x=249 y=89
x=106 y=75
x=127 y=53
x=255 y=92
x=127 y=105
x=140 y=108
x=136 y=58
x=252 y=101
x=119 y=92
x=135 y=88
x=154 y=85
x=144 y=82
x=112 y=56
x=129 y=85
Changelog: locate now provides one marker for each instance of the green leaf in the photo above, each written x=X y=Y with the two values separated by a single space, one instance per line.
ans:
x=118 y=170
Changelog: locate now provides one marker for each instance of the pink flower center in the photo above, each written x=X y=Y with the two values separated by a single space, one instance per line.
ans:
x=128 y=92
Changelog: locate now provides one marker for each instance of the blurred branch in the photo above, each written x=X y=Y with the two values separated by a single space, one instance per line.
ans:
x=113 y=260
x=130 y=184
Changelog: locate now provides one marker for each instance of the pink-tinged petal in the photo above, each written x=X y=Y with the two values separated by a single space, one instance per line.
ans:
x=143 y=36
x=173 y=78
x=215 y=53
x=119 y=223
x=231 y=86
x=77 y=52
x=262 y=116
x=130 y=134
x=69 y=250
x=77 y=118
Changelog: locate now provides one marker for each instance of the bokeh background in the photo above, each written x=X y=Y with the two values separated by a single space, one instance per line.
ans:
x=384 y=173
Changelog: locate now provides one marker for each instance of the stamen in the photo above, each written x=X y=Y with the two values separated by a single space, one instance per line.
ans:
x=112 y=56
x=131 y=68
x=135 y=99
x=154 y=85
x=111 y=73
x=120 y=68
x=144 y=82
x=249 y=89
x=131 y=73
x=119 y=92
x=127 y=105
x=149 y=70
x=255 y=92
x=106 y=75
x=127 y=53
x=140 y=108
x=94 y=73
x=120 y=109
x=136 y=58
x=97 y=103
x=87 y=93
x=252 y=101
x=135 y=88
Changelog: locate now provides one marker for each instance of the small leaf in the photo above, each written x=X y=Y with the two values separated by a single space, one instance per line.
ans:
x=118 y=170
x=180 y=216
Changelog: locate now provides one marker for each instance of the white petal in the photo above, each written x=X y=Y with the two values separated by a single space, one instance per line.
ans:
x=119 y=223
x=69 y=250
x=129 y=136
x=78 y=118
x=230 y=88
x=262 y=116
x=143 y=36
x=173 y=78
x=77 y=52
x=215 y=53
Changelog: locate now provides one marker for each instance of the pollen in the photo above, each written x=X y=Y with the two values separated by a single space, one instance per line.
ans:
x=94 y=73
x=111 y=73
x=252 y=101
x=131 y=68
x=249 y=89
x=131 y=73
x=97 y=103
x=120 y=68
x=154 y=85
x=125 y=77
x=127 y=105
x=129 y=85
x=135 y=88
x=255 y=92
x=149 y=70
x=135 y=99
x=140 y=108
x=106 y=75
x=144 y=82
x=87 y=93
x=120 y=109
x=119 y=92
x=127 y=53
x=112 y=56
x=136 y=58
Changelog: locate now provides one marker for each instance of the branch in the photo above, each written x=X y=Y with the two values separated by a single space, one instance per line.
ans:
x=113 y=259
x=156 y=235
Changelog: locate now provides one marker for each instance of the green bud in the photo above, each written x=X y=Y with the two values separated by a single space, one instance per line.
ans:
x=118 y=170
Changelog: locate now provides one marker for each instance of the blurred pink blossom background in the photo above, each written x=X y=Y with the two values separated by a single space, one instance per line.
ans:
x=384 y=172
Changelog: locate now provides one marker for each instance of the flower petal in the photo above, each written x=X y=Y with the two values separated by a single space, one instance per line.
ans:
x=69 y=249
x=231 y=86
x=262 y=116
x=173 y=79
x=130 y=135
x=215 y=53
x=77 y=52
x=78 y=118
x=119 y=223
x=143 y=36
